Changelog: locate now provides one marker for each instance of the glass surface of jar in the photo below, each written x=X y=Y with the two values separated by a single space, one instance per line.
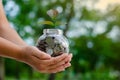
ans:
x=53 y=42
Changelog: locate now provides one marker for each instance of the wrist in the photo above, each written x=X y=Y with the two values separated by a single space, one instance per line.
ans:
x=23 y=54
x=18 y=53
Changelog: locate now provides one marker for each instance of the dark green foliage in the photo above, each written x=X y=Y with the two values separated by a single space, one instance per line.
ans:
x=96 y=56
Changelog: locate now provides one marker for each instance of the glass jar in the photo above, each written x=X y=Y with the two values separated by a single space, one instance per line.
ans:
x=53 y=42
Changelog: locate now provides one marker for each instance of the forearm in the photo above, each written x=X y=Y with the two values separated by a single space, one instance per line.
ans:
x=10 y=34
x=6 y=31
x=9 y=49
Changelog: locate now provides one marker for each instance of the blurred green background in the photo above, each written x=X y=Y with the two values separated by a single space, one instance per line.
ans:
x=93 y=31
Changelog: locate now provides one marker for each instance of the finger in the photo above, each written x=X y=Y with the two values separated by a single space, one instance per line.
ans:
x=54 y=60
x=69 y=58
x=41 y=55
x=67 y=65
x=56 y=65
x=35 y=63
x=58 y=59
x=59 y=69
x=66 y=60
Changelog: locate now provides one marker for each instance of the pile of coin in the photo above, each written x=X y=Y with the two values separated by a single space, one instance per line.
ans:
x=53 y=45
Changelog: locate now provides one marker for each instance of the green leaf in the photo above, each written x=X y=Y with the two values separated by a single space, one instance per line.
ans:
x=47 y=22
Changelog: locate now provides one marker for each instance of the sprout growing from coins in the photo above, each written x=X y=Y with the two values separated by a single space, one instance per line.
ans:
x=53 y=14
x=53 y=41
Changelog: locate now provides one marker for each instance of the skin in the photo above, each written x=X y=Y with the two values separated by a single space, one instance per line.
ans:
x=12 y=46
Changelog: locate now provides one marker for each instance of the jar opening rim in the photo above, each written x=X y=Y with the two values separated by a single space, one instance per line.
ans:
x=52 y=31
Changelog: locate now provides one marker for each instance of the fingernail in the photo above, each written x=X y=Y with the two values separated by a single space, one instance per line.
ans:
x=63 y=70
x=69 y=65
x=71 y=54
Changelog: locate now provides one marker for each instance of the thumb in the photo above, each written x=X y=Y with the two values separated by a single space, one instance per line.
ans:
x=41 y=55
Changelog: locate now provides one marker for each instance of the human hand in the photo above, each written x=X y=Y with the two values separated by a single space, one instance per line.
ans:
x=44 y=62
